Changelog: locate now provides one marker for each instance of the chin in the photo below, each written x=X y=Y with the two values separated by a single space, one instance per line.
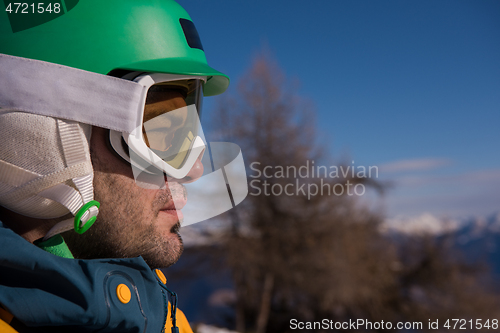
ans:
x=167 y=255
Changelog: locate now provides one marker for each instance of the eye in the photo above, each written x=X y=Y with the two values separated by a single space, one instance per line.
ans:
x=160 y=141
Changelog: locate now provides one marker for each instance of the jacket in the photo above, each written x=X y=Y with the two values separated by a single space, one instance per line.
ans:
x=43 y=292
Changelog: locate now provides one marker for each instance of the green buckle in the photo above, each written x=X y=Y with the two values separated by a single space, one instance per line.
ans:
x=79 y=229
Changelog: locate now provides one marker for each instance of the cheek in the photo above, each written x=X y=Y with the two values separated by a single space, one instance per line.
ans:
x=123 y=206
x=114 y=184
x=121 y=195
x=104 y=159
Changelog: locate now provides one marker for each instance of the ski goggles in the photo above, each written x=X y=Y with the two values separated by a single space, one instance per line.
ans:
x=170 y=138
x=164 y=149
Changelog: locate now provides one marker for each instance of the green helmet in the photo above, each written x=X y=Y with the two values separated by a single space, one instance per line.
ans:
x=102 y=36
x=45 y=107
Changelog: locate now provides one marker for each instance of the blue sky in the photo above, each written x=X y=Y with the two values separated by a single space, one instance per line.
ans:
x=410 y=86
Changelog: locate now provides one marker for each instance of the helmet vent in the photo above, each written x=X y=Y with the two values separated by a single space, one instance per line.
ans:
x=191 y=34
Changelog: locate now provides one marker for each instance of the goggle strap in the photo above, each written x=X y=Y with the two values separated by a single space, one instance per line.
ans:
x=58 y=91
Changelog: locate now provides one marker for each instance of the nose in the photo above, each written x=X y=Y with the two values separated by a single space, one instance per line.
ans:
x=195 y=173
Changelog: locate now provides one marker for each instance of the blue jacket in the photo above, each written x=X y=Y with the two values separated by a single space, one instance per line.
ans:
x=45 y=292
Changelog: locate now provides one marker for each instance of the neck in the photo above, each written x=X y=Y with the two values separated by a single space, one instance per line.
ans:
x=29 y=228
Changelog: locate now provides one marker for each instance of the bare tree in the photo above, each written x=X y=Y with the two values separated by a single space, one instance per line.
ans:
x=311 y=257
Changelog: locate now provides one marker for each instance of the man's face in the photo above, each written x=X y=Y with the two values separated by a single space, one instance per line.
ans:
x=133 y=221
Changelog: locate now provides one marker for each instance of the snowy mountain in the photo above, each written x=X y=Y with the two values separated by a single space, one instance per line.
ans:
x=426 y=223
x=478 y=238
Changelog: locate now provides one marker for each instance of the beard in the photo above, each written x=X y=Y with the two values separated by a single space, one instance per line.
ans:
x=130 y=222
x=101 y=242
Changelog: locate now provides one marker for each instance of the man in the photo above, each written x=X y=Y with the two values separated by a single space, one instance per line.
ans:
x=110 y=137
x=154 y=231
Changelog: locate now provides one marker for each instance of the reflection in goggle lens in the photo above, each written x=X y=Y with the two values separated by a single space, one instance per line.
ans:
x=169 y=129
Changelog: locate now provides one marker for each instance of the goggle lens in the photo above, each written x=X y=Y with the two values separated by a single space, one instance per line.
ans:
x=170 y=126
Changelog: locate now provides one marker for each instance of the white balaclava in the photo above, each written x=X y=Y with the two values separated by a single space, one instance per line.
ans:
x=45 y=167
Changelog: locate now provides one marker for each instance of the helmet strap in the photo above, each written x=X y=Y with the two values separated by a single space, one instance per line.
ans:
x=73 y=199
